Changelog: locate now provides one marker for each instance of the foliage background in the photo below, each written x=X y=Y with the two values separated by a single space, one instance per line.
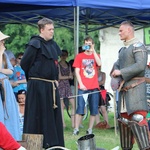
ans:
x=20 y=35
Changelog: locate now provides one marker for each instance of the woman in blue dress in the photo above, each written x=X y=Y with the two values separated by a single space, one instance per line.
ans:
x=9 y=113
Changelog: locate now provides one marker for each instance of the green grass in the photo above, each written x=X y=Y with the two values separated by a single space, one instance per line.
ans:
x=106 y=138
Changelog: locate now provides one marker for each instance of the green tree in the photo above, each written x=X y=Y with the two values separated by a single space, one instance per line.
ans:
x=65 y=39
x=21 y=33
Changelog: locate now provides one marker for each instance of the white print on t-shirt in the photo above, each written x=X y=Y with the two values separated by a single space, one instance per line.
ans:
x=88 y=68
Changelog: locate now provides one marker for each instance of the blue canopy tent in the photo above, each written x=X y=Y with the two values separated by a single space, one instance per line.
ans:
x=134 y=4
x=103 y=13
x=74 y=13
x=41 y=2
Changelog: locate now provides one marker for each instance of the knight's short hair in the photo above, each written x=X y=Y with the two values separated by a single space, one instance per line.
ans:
x=44 y=21
x=129 y=23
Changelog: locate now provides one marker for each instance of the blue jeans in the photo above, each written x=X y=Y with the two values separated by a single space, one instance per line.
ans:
x=93 y=101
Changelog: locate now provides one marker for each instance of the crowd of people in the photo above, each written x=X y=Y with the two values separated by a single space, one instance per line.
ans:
x=40 y=83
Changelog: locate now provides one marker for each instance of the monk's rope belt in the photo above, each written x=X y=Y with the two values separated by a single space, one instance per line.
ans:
x=3 y=96
x=138 y=80
x=54 y=88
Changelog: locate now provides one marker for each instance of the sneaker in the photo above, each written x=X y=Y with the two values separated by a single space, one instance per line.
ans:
x=75 y=131
x=89 y=131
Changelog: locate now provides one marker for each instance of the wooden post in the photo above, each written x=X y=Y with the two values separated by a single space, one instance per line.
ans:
x=115 y=123
x=23 y=143
x=34 y=141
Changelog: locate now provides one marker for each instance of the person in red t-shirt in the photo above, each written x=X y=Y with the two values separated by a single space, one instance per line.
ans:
x=85 y=65
x=7 y=142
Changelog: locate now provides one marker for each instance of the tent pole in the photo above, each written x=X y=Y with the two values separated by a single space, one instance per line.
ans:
x=76 y=29
x=76 y=42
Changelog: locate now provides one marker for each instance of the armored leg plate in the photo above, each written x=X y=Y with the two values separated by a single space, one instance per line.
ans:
x=126 y=136
x=141 y=135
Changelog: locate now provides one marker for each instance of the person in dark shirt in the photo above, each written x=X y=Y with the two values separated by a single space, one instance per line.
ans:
x=42 y=108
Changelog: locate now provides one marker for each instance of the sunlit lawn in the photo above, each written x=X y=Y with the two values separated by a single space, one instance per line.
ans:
x=106 y=139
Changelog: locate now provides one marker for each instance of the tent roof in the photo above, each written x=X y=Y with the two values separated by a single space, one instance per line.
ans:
x=104 y=4
x=41 y=2
x=103 y=13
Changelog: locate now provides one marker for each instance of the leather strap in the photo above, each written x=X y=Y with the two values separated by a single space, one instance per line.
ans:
x=139 y=81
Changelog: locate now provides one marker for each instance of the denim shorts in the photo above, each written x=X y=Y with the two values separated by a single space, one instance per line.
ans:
x=93 y=101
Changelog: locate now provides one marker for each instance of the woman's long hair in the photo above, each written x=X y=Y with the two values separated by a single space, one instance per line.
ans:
x=4 y=61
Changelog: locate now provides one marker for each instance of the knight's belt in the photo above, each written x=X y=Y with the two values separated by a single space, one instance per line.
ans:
x=138 y=81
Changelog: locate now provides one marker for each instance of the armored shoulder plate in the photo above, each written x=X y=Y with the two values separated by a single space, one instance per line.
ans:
x=137 y=48
x=138 y=44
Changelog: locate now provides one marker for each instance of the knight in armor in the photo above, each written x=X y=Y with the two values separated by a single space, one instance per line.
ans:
x=132 y=105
